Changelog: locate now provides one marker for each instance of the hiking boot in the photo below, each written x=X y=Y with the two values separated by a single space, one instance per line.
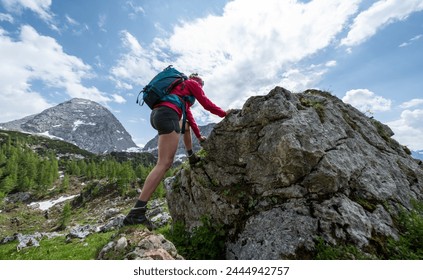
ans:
x=193 y=159
x=137 y=216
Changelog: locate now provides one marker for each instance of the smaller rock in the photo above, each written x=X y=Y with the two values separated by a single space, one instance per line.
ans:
x=112 y=224
x=121 y=244
x=18 y=197
x=144 y=246
x=105 y=250
x=31 y=240
x=108 y=213
x=80 y=231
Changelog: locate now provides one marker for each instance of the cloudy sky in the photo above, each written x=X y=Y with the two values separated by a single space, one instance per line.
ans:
x=368 y=53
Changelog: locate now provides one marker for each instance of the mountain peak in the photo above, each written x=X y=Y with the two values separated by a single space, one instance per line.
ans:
x=82 y=122
x=81 y=101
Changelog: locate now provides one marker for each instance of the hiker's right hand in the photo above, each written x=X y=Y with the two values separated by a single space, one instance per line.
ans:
x=202 y=138
x=229 y=111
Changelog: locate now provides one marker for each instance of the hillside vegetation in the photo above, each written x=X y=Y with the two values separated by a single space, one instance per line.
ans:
x=33 y=163
x=34 y=169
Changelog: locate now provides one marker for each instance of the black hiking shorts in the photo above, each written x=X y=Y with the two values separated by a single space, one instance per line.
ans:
x=165 y=120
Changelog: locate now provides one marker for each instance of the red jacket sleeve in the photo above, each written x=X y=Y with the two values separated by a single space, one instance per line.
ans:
x=198 y=93
x=191 y=87
x=192 y=123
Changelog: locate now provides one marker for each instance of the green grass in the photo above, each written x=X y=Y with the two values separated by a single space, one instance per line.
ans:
x=317 y=105
x=343 y=252
x=381 y=130
x=27 y=222
x=58 y=249
x=409 y=245
x=205 y=242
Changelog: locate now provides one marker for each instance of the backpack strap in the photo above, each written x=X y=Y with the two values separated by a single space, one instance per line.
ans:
x=184 y=116
x=185 y=98
x=138 y=98
x=182 y=104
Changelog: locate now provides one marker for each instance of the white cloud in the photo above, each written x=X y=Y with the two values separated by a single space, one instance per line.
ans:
x=71 y=20
x=409 y=129
x=366 y=101
x=380 y=14
x=412 y=40
x=134 y=9
x=6 y=17
x=101 y=23
x=252 y=45
x=77 y=28
x=253 y=42
x=331 y=63
x=412 y=103
x=133 y=67
x=34 y=58
x=118 y=98
x=39 y=7
x=300 y=79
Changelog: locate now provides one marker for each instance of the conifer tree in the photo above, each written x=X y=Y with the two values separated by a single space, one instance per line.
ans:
x=65 y=183
x=65 y=216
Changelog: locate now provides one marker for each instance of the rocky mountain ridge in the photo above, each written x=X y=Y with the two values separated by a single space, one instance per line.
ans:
x=82 y=122
x=417 y=154
x=288 y=171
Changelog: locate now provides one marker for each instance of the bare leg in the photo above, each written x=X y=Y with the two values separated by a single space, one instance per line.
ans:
x=187 y=138
x=168 y=143
x=192 y=158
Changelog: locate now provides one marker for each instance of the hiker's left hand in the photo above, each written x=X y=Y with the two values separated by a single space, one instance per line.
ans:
x=202 y=138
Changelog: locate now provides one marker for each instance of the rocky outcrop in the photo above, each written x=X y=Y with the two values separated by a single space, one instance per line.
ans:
x=291 y=169
x=139 y=245
x=82 y=122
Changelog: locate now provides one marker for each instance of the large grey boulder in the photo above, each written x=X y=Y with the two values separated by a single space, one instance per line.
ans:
x=290 y=169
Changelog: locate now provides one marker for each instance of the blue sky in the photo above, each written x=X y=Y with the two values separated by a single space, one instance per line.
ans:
x=368 y=53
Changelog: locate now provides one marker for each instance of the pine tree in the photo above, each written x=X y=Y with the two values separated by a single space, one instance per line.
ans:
x=65 y=216
x=54 y=168
x=73 y=168
x=7 y=185
x=27 y=172
x=141 y=172
x=65 y=183
x=126 y=175
x=91 y=172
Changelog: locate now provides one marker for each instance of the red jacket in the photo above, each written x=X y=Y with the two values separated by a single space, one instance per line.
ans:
x=191 y=87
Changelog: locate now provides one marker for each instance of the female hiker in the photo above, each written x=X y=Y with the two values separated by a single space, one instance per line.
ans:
x=165 y=118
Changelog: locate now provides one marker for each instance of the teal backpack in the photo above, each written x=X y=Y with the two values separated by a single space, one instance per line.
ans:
x=159 y=88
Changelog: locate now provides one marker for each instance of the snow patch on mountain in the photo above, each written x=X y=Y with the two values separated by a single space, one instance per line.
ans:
x=48 y=135
x=45 y=205
x=78 y=123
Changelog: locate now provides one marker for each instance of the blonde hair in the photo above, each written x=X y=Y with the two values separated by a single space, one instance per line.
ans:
x=197 y=78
